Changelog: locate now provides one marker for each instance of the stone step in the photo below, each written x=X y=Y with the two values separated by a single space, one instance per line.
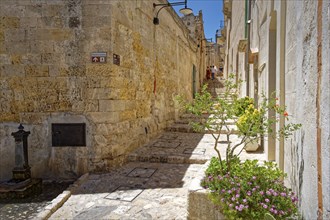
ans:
x=186 y=128
x=186 y=121
x=172 y=159
x=180 y=148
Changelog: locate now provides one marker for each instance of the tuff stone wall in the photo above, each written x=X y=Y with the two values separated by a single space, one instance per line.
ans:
x=47 y=76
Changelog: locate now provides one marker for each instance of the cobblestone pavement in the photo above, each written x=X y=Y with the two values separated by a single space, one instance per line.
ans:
x=152 y=185
x=136 y=191
x=29 y=207
x=156 y=188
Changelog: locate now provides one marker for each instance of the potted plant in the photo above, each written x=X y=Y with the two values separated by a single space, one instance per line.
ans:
x=243 y=190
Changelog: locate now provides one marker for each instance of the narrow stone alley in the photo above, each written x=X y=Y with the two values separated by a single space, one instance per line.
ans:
x=154 y=184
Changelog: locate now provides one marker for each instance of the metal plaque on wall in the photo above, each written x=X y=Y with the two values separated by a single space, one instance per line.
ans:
x=68 y=134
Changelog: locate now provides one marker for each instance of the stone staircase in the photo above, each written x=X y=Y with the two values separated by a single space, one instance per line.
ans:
x=180 y=143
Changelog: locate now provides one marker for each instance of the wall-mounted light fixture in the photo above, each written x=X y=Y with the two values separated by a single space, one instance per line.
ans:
x=207 y=39
x=184 y=11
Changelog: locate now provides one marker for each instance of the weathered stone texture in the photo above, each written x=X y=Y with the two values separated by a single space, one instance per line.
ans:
x=303 y=29
x=47 y=76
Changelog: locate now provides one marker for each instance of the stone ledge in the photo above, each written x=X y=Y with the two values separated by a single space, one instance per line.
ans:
x=200 y=206
x=60 y=199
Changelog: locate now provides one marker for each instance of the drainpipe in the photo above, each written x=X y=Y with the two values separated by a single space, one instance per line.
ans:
x=318 y=109
x=247 y=36
x=246 y=17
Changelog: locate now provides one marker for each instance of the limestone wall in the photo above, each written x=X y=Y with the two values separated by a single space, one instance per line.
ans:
x=47 y=76
x=302 y=85
x=292 y=43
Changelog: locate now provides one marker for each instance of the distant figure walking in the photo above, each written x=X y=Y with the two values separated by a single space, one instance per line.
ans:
x=208 y=73
x=213 y=70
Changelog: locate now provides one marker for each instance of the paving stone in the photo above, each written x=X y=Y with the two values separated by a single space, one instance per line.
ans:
x=198 y=151
x=124 y=193
x=166 y=144
x=142 y=172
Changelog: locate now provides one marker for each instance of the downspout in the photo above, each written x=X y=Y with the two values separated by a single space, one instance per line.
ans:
x=247 y=36
x=246 y=17
x=318 y=109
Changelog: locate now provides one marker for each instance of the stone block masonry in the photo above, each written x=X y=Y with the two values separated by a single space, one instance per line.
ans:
x=47 y=76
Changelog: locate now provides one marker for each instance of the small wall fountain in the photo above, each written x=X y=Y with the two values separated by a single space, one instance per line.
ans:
x=21 y=185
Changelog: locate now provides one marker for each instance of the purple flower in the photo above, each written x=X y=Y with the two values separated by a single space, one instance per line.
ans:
x=231 y=205
x=254 y=177
x=258 y=187
x=254 y=189
x=275 y=212
x=294 y=199
x=244 y=200
x=229 y=191
x=237 y=195
x=220 y=177
x=283 y=194
x=261 y=192
x=249 y=183
x=233 y=199
x=271 y=210
x=275 y=194
x=265 y=206
x=268 y=193
x=266 y=200
x=241 y=206
x=238 y=184
x=246 y=206
x=248 y=193
x=223 y=190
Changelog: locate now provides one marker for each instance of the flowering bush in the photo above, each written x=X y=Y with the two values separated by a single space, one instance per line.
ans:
x=250 y=121
x=243 y=190
x=250 y=191
x=242 y=104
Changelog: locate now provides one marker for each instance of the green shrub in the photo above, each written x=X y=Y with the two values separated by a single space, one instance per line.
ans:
x=243 y=190
x=250 y=190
